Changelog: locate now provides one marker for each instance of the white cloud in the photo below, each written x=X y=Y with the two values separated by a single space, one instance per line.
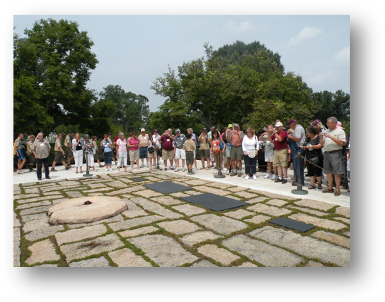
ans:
x=305 y=34
x=234 y=27
x=320 y=78
x=343 y=55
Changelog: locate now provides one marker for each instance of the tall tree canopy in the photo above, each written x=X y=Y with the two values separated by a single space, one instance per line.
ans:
x=127 y=111
x=243 y=83
x=52 y=66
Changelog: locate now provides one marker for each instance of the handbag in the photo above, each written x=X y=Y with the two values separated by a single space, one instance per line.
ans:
x=151 y=149
x=251 y=154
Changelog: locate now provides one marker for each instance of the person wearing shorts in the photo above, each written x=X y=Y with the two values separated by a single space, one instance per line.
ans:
x=151 y=155
x=96 y=151
x=121 y=151
x=143 y=144
x=18 y=145
x=194 y=139
x=189 y=146
x=179 y=152
x=133 y=145
x=157 y=146
x=236 y=154
x=334 y=139
x=204 y=148
x=279 y=138
x=68 y=147
x=59 y=154
x=269 y=154
x=167 y=148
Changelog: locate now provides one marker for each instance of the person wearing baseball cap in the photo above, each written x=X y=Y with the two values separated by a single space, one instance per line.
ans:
x=144 y=142
x=318 y=126
x=179 y=152
x=298 y=137
x=279 y=138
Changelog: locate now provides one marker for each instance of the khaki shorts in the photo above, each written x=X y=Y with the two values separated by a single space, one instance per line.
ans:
x=134 y=155
x=205 y=153
x=58 y=157
x=69 y=153
x=236 y=153
x=167 y=155
x=189 y=157
x=280 y=158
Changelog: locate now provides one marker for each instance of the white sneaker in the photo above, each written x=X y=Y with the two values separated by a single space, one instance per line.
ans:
x=268 y=176
x=141 y=166
x=177 y=169
x=106 y=169
x=224 y=169
x=274 y=177
x=254 y=176
x=247 y=177
x=147 y=165
x=110 y=169
x=183 y=170
x=228 y=172
x=20 y=172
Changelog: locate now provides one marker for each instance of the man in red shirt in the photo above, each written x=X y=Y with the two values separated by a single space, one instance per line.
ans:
x=167 y=148
x=279 y=138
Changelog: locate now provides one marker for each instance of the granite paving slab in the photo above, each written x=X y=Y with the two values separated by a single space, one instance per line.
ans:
x=247 y=264
x=147 y=193
x=319 y=205
x=332 y=238
x=189 y=210
x=258 y=219
x=197 y=237
x=164 y=251
x=203 y=263
x=219 y=224
x=134 y=213
x=127 y=258
x=310 y=211
x=179 y=227
x=323 y=223
x=156 y=208
x=167 y=200
x=43 y=233
x=33 y=225
x=93 y=262
x=80 y=234
x=42 y=251
x=33 y=204
x=239 y=214
x=269 y=210
x=218 y=254
x=130 y=223
x=116 y=218
x=344 y=211
x=139 y=231
x=276 y=202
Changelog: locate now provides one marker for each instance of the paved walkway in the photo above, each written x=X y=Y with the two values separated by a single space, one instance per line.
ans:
x=163 y=230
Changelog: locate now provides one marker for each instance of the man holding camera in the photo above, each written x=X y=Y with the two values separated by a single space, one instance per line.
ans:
x=334 y=139
x=167 y=148
x=279 y=138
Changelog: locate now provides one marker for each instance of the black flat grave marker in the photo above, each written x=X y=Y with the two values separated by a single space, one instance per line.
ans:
x=138 y=178
x=215 y=202
x=292 y=224
x=166 y=187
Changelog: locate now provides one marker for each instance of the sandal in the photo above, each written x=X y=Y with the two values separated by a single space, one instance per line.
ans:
x=319 y=186
x=311 y=187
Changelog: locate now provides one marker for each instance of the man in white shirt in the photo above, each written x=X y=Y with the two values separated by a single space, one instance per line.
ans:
x=334 y=139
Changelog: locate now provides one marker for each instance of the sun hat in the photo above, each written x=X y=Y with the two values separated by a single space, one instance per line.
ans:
x=279 y=124
x=339 y=125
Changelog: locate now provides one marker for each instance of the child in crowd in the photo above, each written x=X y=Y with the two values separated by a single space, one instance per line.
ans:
x=189 y=147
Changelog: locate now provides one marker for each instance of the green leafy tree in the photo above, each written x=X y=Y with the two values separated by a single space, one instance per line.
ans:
x=52 y=66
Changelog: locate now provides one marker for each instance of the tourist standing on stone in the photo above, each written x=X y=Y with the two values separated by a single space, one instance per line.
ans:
x=279 y=138
x=112 y=146
x=68 y=146
x=179 y=152
x=158 y=146
x=218 y=148
x=31 y=157
x=298 y=136
x=59 y=154
x=189 y=146
x=88 y=147
x=143 y=144
x=40 y=149
x=314 y=159
x=151 y=155
x=250 y=152
x=334 y=139
x=133 y=145
x=167 y=148
x=227 y=139
x=121 y=151
x=236 y=150
x=194 y=139
x=77 y=147
x=18 y=146
x=204 y=148
x=269 y=153
x=105 y=143
x=96 y=151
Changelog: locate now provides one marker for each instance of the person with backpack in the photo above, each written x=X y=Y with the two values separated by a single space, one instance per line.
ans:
x=218 y=148
x=250 y=152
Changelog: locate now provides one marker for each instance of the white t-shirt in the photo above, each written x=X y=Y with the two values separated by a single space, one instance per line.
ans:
x=249 y=144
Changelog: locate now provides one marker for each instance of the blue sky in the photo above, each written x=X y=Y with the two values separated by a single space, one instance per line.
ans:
x=134 y=50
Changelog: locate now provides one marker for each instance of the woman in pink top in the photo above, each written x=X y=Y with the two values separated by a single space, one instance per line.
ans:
x=121 y=151
x=133 y=145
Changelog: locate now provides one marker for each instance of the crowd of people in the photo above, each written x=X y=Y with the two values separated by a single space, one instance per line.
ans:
x=319 y=149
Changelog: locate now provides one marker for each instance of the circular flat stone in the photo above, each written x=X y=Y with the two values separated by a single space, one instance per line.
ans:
x=76 y=211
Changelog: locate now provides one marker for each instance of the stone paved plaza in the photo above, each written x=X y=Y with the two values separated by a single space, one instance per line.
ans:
x=163 y=230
